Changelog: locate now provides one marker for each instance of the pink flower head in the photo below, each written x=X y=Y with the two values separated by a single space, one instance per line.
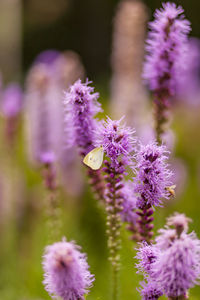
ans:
x=167 y=45
x=66 y=271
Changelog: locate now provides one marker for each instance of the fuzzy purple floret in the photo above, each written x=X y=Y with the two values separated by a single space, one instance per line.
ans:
x=66 y=271
x=117 y=141
x=81 y=107
x=150 y=291
x=167 y=46
x=12 y=98
x=152 y=175
x=178 y=267
x=174 y=266
x=165 y=238
x=47 y=157
x=146 y=255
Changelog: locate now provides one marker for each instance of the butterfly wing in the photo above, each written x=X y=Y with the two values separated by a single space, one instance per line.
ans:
x=94 y=158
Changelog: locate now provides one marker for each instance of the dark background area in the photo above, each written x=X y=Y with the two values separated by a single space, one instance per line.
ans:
x=82 y=26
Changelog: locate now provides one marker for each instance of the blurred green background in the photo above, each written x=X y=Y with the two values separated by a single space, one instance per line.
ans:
x=85 y=27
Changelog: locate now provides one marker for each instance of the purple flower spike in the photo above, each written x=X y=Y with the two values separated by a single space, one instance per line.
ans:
x=147 y=255
x=118 y=144
x=150 y=291
x=180 y=222
x=166 y=59
x=151 y=182
x=166 y=46
x=117 y=141
x=81 y=107
x=66 y=271
x=12 y=98
x=152 y=176
x=172 y=264
x=178 y=267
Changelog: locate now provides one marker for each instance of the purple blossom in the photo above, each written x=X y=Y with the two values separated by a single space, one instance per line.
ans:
x=165 y=238
x=152 y=176
x=178 y=267
x=150 y=291
x=47 y=158
x=66 y=271
x=179 y=222
x=47 y=57
x=167 y=46
x=175 y=266
x=12 y=98
x=117 y=141
x=81 y=107
x=41 y=112
x=146 y=255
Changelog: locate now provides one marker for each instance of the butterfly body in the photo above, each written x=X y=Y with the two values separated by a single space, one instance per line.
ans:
x=94 y=158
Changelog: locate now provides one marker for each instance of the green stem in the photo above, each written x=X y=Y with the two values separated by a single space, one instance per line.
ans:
x=113 y=207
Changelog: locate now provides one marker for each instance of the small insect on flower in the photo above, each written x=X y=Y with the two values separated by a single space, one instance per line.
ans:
x=171 y=190
x=94 y=158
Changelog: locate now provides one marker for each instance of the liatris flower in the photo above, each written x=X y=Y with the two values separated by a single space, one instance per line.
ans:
x=118 y=143
x=39 y=114
x=179 y=222
x=42 y=120
x=147 y=255
x=165 y=238
x=166 y=45
x=152 y=179
x=129 y=29
x=11 y=106
x=178 y=267
x=175 y=267
x=81 y=107
x=66 y=271
x=150 y=291
x=11 y=103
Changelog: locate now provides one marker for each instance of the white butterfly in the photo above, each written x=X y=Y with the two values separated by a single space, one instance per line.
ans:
x=94 y=158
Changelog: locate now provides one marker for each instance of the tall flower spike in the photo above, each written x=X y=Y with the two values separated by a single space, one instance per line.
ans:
x=146 y=255
x=178 y=267
x=174 y=266
x=167 y=45
x=118 y=144
x=43 y=120
x=11 y=106
x=81 y=107
x=152 y=178
x=129 y=30
x=150 y=291
x=66 y=271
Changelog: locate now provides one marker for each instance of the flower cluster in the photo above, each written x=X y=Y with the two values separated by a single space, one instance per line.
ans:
x=66 y=271
x=172 y=264
x=117 y=141
x=12 y=100
x=81 y=106
x=166 y=46
x=152 y=175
